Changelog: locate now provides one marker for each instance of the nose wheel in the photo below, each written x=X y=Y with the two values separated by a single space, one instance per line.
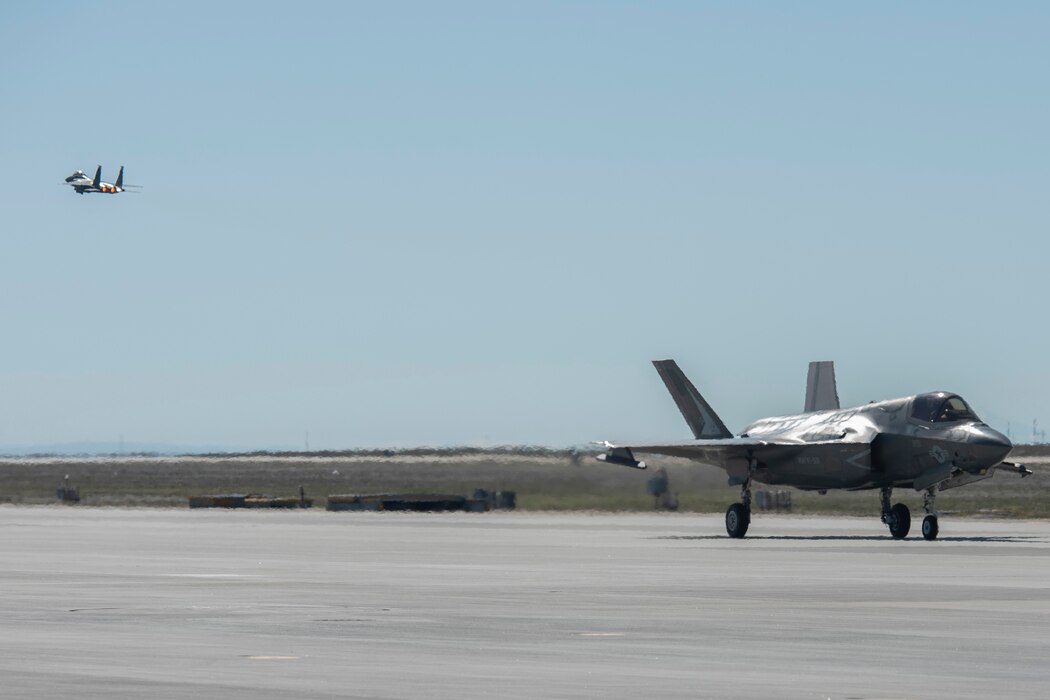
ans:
x=899 y=521
x=929 y=527
x=929 y=523
x=897 y=517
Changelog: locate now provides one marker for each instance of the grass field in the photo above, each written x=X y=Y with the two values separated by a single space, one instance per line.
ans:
x=542 y=479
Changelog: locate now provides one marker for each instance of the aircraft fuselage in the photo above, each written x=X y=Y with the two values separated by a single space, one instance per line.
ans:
x=103 y=188
x=877 y=445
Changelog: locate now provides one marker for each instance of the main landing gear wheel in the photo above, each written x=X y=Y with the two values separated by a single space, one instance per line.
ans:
x=899 y=521
x=929 y=527
x=737 y=519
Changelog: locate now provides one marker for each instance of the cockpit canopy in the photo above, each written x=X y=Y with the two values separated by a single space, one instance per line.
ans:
x=941 y=407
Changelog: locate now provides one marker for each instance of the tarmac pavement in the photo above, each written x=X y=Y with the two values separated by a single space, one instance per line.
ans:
x=137 y=603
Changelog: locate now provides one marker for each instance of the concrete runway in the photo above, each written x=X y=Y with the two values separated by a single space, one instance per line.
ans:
x=101 y=603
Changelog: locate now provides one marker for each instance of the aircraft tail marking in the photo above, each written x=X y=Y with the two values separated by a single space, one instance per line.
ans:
x=702 y=420
x=821 y=392
x=98 y=177
x=120 y=178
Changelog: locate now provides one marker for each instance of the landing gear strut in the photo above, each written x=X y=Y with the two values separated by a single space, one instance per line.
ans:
x=898 y=517
x=738 y=517
x=929 y=523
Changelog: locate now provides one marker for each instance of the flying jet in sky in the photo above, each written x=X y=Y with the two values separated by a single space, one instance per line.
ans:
x=82 y=183
x=928 y=442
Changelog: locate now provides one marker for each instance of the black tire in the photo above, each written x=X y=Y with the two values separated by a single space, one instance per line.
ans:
x=900 y=521
x=929 y=527
x=737 y=519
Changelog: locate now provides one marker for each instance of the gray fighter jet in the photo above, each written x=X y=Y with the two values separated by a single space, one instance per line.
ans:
x=81 y=183
x=929 y=442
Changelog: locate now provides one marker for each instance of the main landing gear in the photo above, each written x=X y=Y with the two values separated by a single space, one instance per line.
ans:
x=738 y=517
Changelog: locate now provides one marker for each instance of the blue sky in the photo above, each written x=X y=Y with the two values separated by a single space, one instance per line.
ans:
x=422 y=223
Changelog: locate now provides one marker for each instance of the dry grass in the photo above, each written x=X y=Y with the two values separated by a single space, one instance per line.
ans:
x=543 y=480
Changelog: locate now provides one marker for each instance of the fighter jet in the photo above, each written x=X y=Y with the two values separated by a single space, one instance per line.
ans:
x=82 y=183
x=928 y=442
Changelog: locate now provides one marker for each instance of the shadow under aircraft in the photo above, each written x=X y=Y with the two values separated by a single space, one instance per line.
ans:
x=928 y=442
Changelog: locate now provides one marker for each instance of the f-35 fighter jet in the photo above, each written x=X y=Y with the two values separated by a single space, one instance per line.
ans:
x=929 y=442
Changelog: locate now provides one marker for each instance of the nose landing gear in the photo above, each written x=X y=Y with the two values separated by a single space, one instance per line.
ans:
x=898 y=518
x=929 y=523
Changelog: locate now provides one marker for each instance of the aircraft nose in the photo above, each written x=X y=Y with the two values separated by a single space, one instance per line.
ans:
x=991 y=442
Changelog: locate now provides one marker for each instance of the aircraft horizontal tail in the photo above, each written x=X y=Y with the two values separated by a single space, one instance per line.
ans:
x=702 y=419
x=622 y=456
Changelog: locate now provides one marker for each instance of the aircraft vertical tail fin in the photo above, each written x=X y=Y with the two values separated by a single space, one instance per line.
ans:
x=98 y=177
x=120 y=178
x=821 y=392
x=702 y=419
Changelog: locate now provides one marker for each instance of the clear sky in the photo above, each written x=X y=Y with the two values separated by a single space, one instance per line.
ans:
x=399 y=224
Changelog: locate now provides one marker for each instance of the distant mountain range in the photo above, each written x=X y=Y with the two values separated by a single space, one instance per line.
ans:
x=110 y=448
x=88 y=449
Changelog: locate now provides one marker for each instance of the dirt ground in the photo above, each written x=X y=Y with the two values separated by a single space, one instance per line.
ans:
x=541 y=479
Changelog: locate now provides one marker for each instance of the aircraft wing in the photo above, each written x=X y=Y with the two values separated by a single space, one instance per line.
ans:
x=737 y=456
x=709 y=451
x=732 y=454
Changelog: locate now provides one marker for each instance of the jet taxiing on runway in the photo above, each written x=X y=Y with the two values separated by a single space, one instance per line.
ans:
x=82 y=183
x=929 y=442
